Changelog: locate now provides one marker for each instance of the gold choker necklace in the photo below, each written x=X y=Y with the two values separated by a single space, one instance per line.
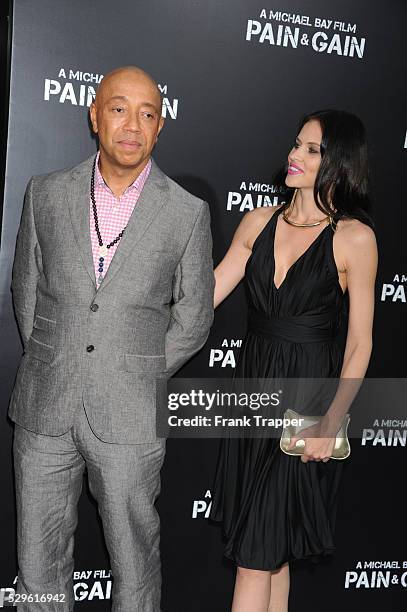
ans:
x=304 y=224
x=287 y=220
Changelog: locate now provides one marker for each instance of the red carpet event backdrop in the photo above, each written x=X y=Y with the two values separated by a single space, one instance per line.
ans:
x=235 y=76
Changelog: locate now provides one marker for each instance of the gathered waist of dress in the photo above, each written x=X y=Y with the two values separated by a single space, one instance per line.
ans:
x=317 y=327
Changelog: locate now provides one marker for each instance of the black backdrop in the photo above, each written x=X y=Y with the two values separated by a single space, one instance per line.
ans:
x=234 y=90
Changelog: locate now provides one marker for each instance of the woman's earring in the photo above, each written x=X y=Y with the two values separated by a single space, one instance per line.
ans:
x=291 y=206
x=332 y=222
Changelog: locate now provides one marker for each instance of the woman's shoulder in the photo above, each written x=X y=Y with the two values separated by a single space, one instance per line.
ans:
x=354 y=231
x=255 y=221
x=355 y=241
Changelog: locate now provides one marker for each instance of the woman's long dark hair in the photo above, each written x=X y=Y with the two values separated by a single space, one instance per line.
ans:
x=343 y=176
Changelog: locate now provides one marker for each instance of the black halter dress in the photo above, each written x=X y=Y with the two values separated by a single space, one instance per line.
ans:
x=274 y=508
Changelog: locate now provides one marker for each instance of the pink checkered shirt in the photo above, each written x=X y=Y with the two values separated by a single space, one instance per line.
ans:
x=113 y=214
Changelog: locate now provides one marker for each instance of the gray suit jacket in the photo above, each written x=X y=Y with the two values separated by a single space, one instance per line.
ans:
x=152 y=311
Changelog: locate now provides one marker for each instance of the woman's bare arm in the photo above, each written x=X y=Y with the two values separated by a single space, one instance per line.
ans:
x=359 y=248
x=361 y=268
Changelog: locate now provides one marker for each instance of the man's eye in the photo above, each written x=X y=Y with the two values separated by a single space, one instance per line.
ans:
x=118 y=109
x=148 y=115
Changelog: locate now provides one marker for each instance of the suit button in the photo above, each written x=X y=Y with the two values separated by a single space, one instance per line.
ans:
x=94 y=307
x=90 y=348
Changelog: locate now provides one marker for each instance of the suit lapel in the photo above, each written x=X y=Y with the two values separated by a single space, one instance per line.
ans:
x=151 y=200
x=78 y=190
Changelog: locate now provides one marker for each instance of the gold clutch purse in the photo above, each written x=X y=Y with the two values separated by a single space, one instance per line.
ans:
x=341 y=449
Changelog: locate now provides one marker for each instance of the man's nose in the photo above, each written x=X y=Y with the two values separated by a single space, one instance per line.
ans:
x=133 y=122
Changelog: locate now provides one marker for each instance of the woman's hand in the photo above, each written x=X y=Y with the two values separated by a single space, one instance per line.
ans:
x=317 y=447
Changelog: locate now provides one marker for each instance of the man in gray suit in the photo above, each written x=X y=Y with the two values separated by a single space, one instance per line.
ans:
x=113 y=287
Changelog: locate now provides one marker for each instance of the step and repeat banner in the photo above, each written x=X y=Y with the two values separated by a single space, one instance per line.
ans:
x=235 y=76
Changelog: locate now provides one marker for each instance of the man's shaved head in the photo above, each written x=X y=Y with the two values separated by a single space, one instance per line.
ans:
x=126 y=116
x=128 y=73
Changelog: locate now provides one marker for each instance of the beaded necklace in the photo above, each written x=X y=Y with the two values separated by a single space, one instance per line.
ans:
x=103 y=248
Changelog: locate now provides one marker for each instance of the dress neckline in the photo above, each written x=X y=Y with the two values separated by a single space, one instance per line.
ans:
x=300 y=258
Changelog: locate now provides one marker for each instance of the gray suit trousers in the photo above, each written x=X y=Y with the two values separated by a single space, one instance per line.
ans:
x=125 y=481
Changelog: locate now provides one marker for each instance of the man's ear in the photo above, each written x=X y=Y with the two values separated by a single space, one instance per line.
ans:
x=93 y=117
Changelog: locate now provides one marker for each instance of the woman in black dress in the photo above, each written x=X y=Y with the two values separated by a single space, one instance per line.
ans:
x=309 y=266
